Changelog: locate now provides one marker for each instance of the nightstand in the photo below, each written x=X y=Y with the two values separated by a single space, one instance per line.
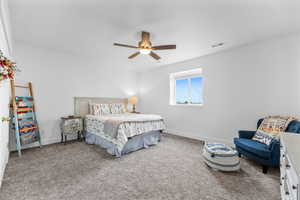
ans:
x=71 y=125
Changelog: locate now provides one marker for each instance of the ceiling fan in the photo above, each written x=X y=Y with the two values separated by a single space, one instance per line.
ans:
x=145 y=47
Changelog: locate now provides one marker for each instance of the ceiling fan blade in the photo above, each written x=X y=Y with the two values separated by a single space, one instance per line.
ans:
x=145 y=36
x=154 y=55
x=164 y=47
x=125 y=45
x=134 y=55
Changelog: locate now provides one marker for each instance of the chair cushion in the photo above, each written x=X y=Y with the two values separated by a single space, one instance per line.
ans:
x=252 y=146
x=293 y=127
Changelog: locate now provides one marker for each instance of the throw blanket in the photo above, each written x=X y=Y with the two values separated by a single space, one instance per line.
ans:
x=111 y=127
x=112 y=124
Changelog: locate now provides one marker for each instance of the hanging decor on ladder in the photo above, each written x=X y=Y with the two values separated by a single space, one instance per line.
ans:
x=24 y=117
x=7 y=68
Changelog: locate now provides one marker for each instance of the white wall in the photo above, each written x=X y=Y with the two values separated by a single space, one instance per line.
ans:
x=57 y=77
x=5 y=46
x=240 y=86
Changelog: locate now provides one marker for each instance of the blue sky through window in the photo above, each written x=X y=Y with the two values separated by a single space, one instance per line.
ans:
x=182 y=91
x=196 y=90
x=189 y=90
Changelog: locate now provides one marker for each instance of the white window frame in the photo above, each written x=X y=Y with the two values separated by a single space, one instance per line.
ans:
x=179 y=76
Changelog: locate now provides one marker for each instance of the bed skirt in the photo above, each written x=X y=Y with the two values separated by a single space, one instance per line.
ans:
x=135 y=143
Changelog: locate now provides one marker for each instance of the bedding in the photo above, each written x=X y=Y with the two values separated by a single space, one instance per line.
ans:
x=118 y=128
x=137 y=142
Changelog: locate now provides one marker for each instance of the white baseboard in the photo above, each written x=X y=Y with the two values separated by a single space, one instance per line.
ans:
x=187 y=134
x=36 y=144
x=199 y=137
x=51 y=141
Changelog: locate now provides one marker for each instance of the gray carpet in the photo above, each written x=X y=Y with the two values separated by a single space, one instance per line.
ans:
x=173 y=169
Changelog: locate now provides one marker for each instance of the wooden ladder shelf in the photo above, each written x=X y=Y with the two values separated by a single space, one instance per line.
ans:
x=24 y=117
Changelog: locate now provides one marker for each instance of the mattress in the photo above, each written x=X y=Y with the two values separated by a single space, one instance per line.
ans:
x=127 y=125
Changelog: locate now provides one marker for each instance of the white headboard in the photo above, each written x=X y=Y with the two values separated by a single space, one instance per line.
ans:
x=81 y=104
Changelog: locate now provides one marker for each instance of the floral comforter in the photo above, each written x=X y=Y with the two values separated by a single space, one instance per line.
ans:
x=128 y=125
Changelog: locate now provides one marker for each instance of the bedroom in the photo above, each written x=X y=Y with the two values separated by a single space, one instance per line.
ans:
x=246 y=54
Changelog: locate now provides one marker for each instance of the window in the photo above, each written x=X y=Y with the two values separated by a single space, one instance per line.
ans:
x=186 y=88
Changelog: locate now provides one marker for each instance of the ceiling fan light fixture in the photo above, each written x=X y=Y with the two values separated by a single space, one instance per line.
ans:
x=145 y=51
x=145 y=47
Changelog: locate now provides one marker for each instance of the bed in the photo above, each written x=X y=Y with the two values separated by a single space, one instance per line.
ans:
x=118 y=133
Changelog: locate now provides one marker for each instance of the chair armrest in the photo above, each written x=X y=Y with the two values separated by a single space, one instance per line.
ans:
x=275 y=144
x=246 y=134
x=275 y=152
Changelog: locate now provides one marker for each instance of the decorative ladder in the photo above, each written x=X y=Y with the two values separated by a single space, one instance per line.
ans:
x=24 y=117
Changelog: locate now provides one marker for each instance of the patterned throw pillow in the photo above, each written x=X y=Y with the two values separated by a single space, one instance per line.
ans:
x=101 y=109
x=271 y=128
x=117 y=108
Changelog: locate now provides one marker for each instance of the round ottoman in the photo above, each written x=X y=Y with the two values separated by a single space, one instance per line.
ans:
x=221 y=157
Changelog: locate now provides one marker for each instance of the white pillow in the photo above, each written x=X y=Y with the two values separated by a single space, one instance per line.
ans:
x=91 y=108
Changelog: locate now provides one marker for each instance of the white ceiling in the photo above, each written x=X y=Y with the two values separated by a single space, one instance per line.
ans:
x=90 y=27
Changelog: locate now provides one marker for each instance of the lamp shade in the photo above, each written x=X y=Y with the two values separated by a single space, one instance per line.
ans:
x=133 y=100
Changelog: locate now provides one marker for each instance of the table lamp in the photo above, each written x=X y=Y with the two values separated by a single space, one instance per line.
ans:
x=133 y=100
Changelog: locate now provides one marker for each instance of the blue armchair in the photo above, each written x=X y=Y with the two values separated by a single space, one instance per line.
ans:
x=268 y=156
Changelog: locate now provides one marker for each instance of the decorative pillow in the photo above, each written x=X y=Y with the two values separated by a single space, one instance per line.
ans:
x=91 y=109
x=117 y=108
x=271 y=128
x=101 y=109
x=96 y=109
